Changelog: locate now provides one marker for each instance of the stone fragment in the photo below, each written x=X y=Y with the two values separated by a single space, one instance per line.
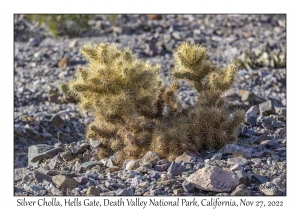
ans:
x=164 y=161
x=235 y=167
x=266 y=108
x=79 y=149
x=233 y=161
x=260 y=179
x=213 y=178
x=81 y=180
x=251 y=115
x=93 y=191
x=261 y=138
x=150 y=157
x=230 y=148
x=132 y=165
x=144 y=184
x=188 y=187
x=185 y=158
x=256 y=162
x=73 y=43
x=39 y=177
x=57 y=121
x=176 y=168
x=94 y=143
x=261 y=154
x=161 y=168
x=268 y=188
x=39 y=152
x=62 y=181
x=67 y=155
x=166 y=182
x=63 y=62
x=247 y=96
x=113 y=169
x=243 y=176
x=241 y=192
x=89 y=165
x=217 y=156
x=124 y=192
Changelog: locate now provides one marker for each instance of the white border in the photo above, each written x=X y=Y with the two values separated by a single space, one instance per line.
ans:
x=8 y=8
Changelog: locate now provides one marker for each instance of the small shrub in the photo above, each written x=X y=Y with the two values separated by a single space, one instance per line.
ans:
x=59 y=25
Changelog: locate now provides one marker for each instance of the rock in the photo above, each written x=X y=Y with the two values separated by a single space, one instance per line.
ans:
x=237 y=154
x=261 y=154
x=235 y=167
x=67 y=155
x=268 y=188
x=230 y=148
x=34 y=41
x=73 y=43
x=266 y=108
x=94 y=143
x=281 y=111
x=39 y=152
x=247 y=96
x=63 y=62
x=57 y=121
x=176 y=168
x=62 y=181
x=150 y=157
x=113 y=169
x=256 y=162
x=39 y=177
x=110 y=163
x=164 y=161
x=213 y=178
x=32 y=187
x=124 y=192
x=269 y=143
x=185 y=158
x=89 y=165
x=243 y=176
x=53 y=98
x=251 y=115
x=188 y=187
x=241 y=192
x=278 y=182
x=241 y=161
x=144 y=184
x=79 y=149
x=81 y=180
x=217 y=156
x=166 y=182
x=93 y=191
x=132 y=165
x=260 y=179
x=161 y=168
x=260 y=139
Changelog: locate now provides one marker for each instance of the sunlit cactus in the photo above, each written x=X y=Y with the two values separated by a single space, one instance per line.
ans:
x=128 y=100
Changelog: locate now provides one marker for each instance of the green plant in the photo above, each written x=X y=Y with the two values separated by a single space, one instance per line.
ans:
x=58 y=25
x=128 y=99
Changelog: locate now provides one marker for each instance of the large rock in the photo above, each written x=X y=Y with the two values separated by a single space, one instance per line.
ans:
x=266 y=108
x=62 y=181
x=176 y=168
x=251 y=115
x=41 y=151
x=150 y=157
x=213 y=178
